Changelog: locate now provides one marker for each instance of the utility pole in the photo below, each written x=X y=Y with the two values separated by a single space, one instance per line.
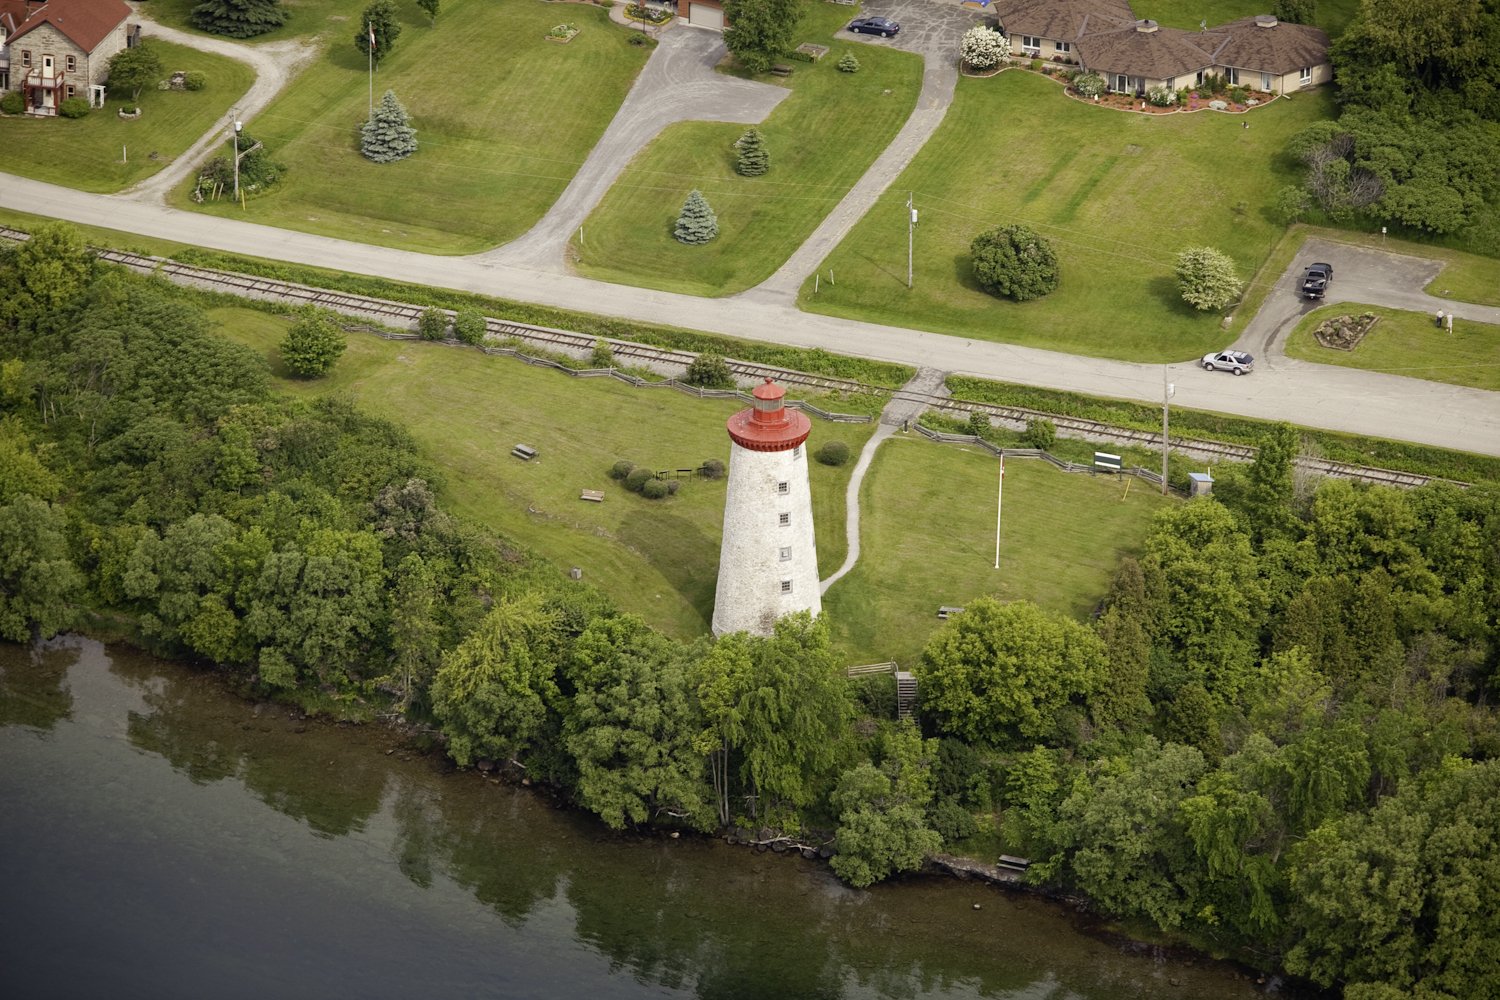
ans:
x=999 y=502
x=1168 y=390
x=911 y=228
x=237 y=126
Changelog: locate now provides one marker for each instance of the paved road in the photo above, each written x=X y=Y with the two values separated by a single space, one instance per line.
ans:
x=1334 y=398
x=678 y=84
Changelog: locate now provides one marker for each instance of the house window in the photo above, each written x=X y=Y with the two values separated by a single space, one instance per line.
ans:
x=1306 y=75
x=785 y=520
x=1030 y=42
x=70 y=91
x=783 y=488
x=786 y=553
x=25 y=57
x=1198 y=80
x=1232 y=76
x=72 y=66
x=786 y=586
x=1062 y=46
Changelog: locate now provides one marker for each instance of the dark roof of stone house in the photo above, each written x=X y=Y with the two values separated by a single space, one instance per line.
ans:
x=1262 y=43
x=85 y=23
x=1143 y=48
x=13 y=14
x=1063 y=20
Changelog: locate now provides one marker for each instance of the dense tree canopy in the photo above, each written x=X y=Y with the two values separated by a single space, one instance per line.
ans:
x=1014 y=262
x=760 y=31
x=239 y=18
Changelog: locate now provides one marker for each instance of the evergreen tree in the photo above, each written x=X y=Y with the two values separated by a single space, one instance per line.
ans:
x=239 y=18
x=430 y=6
x=697 y=223
x=848 y=64
x=753 y=158
x=378 y=19
x=388 y=136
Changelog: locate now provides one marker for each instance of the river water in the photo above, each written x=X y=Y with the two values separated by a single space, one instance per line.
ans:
x=160 y=838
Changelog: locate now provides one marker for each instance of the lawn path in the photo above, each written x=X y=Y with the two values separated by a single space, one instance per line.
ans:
x=275 y=65
x=678 y=84
x=938 y=46
x=900 y=410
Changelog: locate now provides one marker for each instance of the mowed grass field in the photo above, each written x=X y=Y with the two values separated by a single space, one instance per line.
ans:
x=1407 y=343
x=467 y=410
x=304 y=17
x=821 y=139
x=103 y=152
x=927 y=538
x=504 y=118
x=1118 y=194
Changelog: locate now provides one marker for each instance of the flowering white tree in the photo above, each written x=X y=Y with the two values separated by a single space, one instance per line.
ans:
x=984 y=48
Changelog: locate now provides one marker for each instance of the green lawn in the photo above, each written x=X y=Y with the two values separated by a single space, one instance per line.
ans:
x=658 y=559
x=1407 y=343
x=85 y=153
x=927 y=525
x=504 y=118
x=821 y=139
x=1332 y=15
x=1117 y=194
x=306 y=17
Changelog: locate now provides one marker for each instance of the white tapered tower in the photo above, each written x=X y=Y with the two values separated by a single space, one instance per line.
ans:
x=768 y=562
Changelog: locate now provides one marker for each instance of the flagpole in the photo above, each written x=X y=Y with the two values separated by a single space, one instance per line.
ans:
x=999 y=500
x=371 y=53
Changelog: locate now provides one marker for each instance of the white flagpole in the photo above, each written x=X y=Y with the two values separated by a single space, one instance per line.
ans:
x=372 y=70
x=999 y=500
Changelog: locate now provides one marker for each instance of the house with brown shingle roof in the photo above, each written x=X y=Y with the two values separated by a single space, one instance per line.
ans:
x=1258 y=53
x=58 y=49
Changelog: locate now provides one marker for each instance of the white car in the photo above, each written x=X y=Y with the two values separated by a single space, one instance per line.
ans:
x=1228 y=361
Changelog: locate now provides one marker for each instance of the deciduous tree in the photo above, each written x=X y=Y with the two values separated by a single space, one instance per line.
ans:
x=1207 y=278
x=312 y=345
x=380 y=19
x=134 y=69
x=37 y=578
x=760 y=31
x=1015 y=262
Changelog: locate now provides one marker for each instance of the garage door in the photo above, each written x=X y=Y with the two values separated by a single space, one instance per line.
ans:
x=705 y=16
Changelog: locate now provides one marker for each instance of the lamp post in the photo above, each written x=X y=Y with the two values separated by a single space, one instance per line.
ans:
x=1168 y=390
x=911 y=228
x=237 y=126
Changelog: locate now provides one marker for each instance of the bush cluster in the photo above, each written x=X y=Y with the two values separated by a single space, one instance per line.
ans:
x=710 y=371
x=73 y=107
x=636 y=478
x=432 y=324
x=1089 y=85
x=194 y=80
x=621 y=469
x=468 y=326
x=711 y=469
x=12 y=103
x=1161 y=96
x=833 y=453
x=1040 y=433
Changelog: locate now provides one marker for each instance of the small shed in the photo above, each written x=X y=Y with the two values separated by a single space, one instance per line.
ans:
x=1201 y=484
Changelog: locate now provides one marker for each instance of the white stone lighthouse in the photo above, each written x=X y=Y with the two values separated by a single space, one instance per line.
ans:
x=768 y=562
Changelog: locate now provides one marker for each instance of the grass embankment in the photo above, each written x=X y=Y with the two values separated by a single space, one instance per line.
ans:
x=1332 y=15
x=1118 y=195
x=1190 y=423
x=927 y=527
x=333 y=18
x=504 y=118
x=467 y=410
x=1407 y=343
x=821 y=139
x=86 y=153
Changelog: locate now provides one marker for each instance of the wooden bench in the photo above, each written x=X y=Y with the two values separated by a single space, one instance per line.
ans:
x=1013 y=863
x=781 y=69
x=595 y=495
x=948 y=610
x=524 y=452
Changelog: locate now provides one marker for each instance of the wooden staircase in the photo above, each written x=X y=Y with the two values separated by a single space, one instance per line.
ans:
x=906 y=694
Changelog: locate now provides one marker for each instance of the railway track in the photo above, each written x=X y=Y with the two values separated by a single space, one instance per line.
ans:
x=550 y=338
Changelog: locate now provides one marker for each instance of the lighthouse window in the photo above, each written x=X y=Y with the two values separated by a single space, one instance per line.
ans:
x=786 y=553
x=786 y=586
x=797 y=452
x=783 y=488
x=786 y=520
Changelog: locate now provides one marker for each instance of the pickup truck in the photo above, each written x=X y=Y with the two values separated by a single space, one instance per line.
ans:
x=1316 y=279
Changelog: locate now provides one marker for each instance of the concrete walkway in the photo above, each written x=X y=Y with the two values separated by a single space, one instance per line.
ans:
x=894 y=417
x=678 y=84
x=275 y=64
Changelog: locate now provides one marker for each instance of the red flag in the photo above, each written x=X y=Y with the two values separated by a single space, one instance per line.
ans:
x=371 y=26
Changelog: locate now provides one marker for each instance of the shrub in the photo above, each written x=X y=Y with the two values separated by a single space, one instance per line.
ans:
x=847 y=63
x=1161 y=96
x=312 y=345
x=637 y=478
x=654 y=489
x=1238 y=94
x=468 y=326
x=73 y=107
x=833 y=453
x=621 y=469
x=984 y=48
x=710 y=371
x=711 y=469
x=1089 y=85
x=1040 y=433
x=12 y=103
x=753 y=160
x=602 y=356
x=194 y=80
x=979 y=424
x=1015 y=262
x=432 y=324
x=673 y=485
x=1036 y=65
x=1206 y=277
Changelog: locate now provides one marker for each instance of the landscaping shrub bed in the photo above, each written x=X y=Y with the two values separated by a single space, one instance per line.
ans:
x=814 y=361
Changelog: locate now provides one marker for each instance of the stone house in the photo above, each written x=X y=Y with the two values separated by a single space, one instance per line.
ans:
x=1259 y=53
x=57 y=49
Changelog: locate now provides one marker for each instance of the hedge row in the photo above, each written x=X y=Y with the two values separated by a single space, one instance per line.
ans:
x=814 y=360
x=1350 y=448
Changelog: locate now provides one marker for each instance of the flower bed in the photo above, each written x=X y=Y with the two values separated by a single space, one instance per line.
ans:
x=562 y=32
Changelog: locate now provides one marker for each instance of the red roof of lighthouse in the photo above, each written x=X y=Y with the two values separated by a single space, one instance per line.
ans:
x=768 y=425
